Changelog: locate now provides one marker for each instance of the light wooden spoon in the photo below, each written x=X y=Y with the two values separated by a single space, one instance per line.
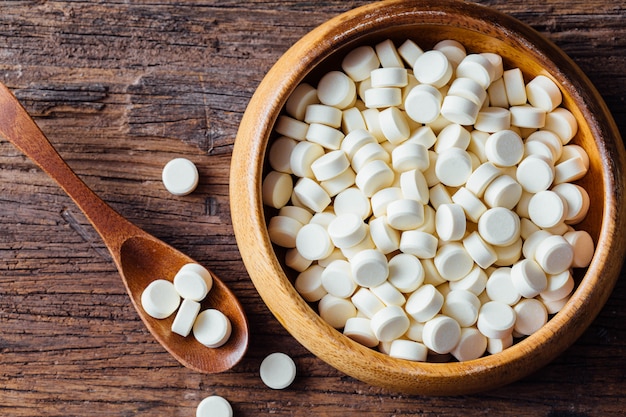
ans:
x=139 y=256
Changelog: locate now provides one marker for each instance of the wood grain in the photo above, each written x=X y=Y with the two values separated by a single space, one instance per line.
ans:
x=121 y=88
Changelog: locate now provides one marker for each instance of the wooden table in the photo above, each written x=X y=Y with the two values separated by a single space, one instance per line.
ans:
x=120 y=88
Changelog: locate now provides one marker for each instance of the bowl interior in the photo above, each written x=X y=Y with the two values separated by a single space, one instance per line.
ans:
x=480 y=30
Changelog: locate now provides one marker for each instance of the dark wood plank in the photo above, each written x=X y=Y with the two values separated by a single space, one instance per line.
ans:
x=122 y=87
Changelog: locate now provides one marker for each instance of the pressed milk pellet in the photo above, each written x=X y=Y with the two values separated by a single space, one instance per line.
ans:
x=427 y=202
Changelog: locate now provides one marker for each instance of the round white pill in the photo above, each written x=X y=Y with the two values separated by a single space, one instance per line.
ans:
x=214 y=406
x=452 y=136
x=302 y=156
x=366 y=302
x=478 y=68
x=388 y=54
x=438 y=195
x=276 y=189
x=330 y=165
x=346 y=230
x=452 y=49
x=578 y=201
x=459 y=110
x=453 y=167
x=326 y=136
x=441 y=334
x=212 y=328
x=308 y=283
x=493 y=119
x=559 y=286
x=359 y=329
x=283 y=231
x=495 y=345
x=386 y=238
x=337 y=279
x=418 y=243
x=374 y=176
x=414 y=186
x=481 y=177
x=408 y=156
x=356 y=139
x=326 y=115
x=352 y=200
x=462 y=306
x=367 y=153
x=160 y=299
x=311 y=194
x=351 y=120
x=405 y=214
x=543 y=93
x=277 y=370
x=547 y=209
x=432 y=67
x=193 y=282
x=336 y=310
x=499 y=226
x=472 y=345
x=535 y=174
x=388 y=294
x=500 y=287
x=450 y=222
x=515 y=87
x=496 y=320
x=180 y=176
x=474 y=282
x=472 y=205
x=389 y=77
x=339 y=183
x=504 y=148
x=382 y=97
x=369 y=268
x=408 y=350
x=583 y=246
x=313 y=242
x=295 y=261
x=554 y=254
x=301 y=97
x=185 y=317
x=423 y=103
x=562 y=122
x=503 y=191
x=336 y=89
x=480 y=251
x=360 y=62
x=528 y=278
x=389 y=323
x=468 y=88
x=406 y=272
x=527 y=117
x=531 y=315
x=424 y=303
x=394 y=125
x=279 y=154
x=290 y=127
x=409 y=51
x=452 y=261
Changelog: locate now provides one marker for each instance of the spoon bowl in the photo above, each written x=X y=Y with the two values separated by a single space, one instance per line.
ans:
x=139 y=256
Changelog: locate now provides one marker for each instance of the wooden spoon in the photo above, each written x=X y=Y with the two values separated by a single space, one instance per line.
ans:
x=139 y=256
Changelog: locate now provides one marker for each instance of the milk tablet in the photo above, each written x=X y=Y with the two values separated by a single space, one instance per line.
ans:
x=352 y=119
x=472 y=205
x=528 y=278
x=555 y=254
x=322 y=114
x=569 y=170
x=409 y=51
x=311 y=194
x=185 y=317
x=193 y=282
x=496 y=320
x=504 y=148
x=374 y=176
x=562 y=122
x=366 y=302
x=441 y=334
x=335 y=310
x=389 y=323
x=453 y=167
x=583 y=246
x=493 y=119
x=290 y=127
x=394 y=125
x=381 y=199
x=405 y=272
x=389 y=77
x=480 y=251
x=474 y=282
x=408 y=156
x=452 y=49
x=360 y=62
x=352 y=200
x=301 y=97
x=452 y=136
x=531 y=315
x=547 y=209
x=309 y=283
x=337 y=279
x=469 y=89
x=277 y=370
x=462 y=306
x=276 y=189
x=368 y=153
x=214 y=406
x=439 y=195
x=180 y=176
x=500 y=287
x=432 y=67
x=423 y=103
x=481 y=177
x=279 y=154
x=295 y=261
x=302 y=156
x=385 y=238
x=543 y=93
x=388 y=54
x=369 y=268
x=450 y=222
x=326 y=136
x=346 y=230
x=359 y=329
x=452 y=261
x=478 y=68
x=459 y=110
x=414 y=186
x=503 y=191
x=382 y=97
x=527 y=117
x=405 y=214
x=336 y=89
x=355 y=140
x=418 y=243
x=423 y=304
x=212 y=328
x=160 y=299
x=499 y=226
x=472 y=345
x=535 y=174
x=515 y=87
x=313 y=242
x=559 y=286
x=283 y=231
x=408 y=350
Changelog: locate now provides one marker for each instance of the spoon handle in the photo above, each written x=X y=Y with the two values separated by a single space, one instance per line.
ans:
x=17 y=127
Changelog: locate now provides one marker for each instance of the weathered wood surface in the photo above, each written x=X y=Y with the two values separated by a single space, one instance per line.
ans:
x=122 y=87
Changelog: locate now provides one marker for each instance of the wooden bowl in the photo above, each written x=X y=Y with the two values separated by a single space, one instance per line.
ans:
x=479 y=29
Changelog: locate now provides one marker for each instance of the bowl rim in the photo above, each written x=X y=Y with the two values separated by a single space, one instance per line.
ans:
x=329 y=344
